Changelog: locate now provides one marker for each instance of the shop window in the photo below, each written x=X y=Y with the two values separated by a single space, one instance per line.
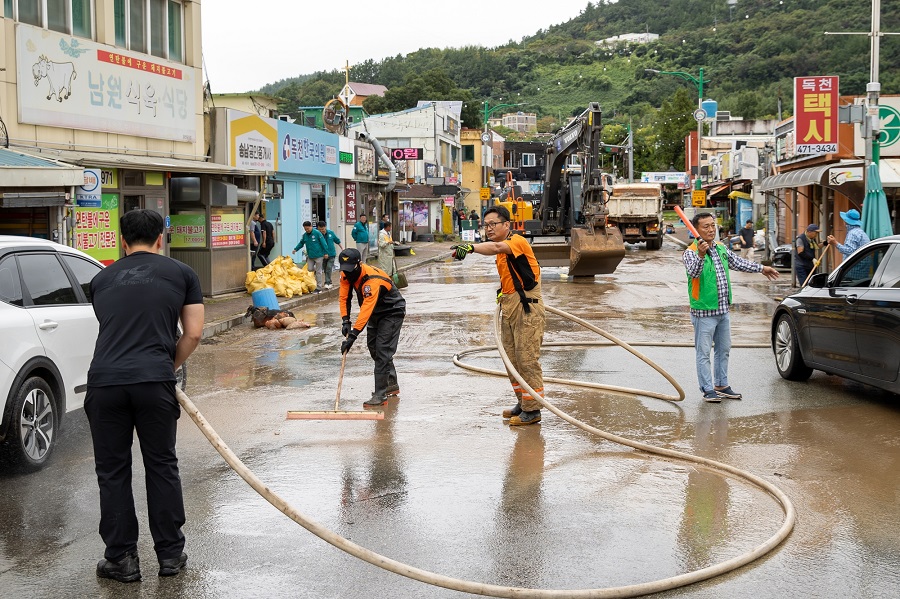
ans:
x=132 y=178
x=528 y=160
x=154 y=25
x=73 y=17
x=468 y=153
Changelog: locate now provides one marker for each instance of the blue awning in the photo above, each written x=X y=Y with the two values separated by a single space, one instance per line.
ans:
x=20 y=169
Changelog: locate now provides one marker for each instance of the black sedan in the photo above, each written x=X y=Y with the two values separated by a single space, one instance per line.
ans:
x=845 y=323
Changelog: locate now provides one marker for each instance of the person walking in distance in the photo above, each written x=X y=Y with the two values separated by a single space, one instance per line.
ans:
x=314 y=243
x=330 y=252
x=381 y=312
x=708 y=264
x=268 y=239
x=747 y=234
x=138 y=301
x=386 y=249
x=255 y=239
x=805 y=253
x=360 y=235
x=523 y=314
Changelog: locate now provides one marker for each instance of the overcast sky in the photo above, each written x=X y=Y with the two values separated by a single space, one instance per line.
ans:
x=249 y=44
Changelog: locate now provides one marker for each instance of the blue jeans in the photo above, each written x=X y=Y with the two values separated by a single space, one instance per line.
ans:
x=709 y=331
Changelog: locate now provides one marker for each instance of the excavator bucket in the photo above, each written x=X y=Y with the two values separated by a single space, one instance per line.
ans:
x=551 y=251
x=595 y=251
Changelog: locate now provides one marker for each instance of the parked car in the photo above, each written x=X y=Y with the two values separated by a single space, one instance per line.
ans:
x=846 y=323
x=49 y=332
x=781 y=259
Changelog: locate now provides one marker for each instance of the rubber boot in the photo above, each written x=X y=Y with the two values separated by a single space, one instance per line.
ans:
x=379 y=398
x=513 y=411
x=526 y=418
x=393 y=387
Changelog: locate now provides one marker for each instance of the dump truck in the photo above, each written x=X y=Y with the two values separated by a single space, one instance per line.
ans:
x=637 y=210
x=571 y=226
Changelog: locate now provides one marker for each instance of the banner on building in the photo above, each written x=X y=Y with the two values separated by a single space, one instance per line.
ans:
x=97 y=228
x=78 y=84
x=188 y=230
x=816 y=115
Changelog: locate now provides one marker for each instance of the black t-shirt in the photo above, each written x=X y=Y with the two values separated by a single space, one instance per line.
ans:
x=747 y=237
x=270 y=233
x=138 y=300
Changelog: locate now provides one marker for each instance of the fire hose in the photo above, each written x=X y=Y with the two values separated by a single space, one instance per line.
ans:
x=492 y=590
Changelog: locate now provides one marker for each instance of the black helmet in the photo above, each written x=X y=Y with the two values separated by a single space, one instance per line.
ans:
x=349 y=259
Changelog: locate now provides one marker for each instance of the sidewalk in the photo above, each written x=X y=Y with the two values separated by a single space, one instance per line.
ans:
x=226 y=311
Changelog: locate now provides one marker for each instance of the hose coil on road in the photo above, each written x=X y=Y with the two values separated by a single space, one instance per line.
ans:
x=491 y=590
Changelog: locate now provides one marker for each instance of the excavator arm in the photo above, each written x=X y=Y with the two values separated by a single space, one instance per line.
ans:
x=573 y=204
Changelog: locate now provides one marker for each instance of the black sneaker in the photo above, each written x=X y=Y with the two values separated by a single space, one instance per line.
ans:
x=127 y=569
x=172 y=566
x=728 y=393
x=711 y=396
x=513 y=411
x=525 y=418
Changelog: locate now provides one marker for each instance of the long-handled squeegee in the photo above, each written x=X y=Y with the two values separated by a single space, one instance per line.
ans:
x=336 y=414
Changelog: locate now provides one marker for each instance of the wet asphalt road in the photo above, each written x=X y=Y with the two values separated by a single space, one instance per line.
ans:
x=444 y=485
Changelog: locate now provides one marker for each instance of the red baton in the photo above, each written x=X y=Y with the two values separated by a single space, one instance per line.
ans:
x=686 y=221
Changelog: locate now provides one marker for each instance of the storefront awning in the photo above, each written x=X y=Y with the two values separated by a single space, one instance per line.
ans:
x=19 y=169
x=826 y=175
x=889 y=169
x=715 y=189
x=152 y=163
x=740 y=195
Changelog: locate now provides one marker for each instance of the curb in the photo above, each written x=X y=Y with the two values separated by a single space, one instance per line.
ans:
x=211 y=329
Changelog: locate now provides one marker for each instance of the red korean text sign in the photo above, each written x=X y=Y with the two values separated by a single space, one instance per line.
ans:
x=350 y=206
x=816 y=115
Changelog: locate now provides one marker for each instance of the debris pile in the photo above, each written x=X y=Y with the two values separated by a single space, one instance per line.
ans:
x=275 y=319
x=282 y=275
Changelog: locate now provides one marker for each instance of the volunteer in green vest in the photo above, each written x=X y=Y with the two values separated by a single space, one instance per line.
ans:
x=360 y=235
x=709 y=289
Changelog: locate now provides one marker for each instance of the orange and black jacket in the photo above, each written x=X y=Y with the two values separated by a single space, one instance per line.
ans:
x=376 y=293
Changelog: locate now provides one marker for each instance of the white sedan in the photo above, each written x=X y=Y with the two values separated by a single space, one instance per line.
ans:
x=49 y=331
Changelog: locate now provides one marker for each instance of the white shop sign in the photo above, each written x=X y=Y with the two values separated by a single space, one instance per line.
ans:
x=76 y=83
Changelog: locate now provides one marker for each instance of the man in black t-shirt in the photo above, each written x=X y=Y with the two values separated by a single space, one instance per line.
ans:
x=138 y=301
x=268 y=239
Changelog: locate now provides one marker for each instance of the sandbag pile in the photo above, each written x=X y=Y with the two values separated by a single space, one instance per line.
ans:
x=282 y=275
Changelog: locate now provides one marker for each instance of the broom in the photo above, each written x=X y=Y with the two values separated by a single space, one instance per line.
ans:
x=336 y=414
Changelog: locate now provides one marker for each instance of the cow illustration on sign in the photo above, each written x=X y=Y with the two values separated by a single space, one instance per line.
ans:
x=59 y=75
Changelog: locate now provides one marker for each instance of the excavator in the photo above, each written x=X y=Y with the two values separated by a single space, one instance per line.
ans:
x=571 y=228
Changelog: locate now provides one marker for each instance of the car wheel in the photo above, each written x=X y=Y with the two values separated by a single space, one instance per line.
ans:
x=32 y=428
x=787 y=351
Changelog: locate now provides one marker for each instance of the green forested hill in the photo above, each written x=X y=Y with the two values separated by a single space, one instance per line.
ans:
x=750 y=54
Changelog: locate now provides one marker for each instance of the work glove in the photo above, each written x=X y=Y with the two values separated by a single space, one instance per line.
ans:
x=462 y=250
x=348 y=342
x=345 y=326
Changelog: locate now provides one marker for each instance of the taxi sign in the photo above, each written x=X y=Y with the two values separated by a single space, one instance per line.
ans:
x=698 y=198
x=485 y=193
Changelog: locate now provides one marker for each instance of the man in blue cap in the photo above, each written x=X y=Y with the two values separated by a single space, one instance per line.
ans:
x=856 y=237
x=805 y=253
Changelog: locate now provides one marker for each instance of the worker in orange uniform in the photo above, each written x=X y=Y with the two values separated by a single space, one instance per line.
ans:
x=523 y=314
x=381 y=312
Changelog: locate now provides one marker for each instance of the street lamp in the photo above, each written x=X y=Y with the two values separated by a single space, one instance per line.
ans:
x=486 y=137
x=698 y=115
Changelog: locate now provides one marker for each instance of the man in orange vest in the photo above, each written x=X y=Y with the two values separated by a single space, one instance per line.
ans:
x=523 y=315
x=381 y=313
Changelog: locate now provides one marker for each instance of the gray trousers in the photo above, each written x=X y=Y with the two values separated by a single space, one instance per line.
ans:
x=315 y=265
x=363 y=250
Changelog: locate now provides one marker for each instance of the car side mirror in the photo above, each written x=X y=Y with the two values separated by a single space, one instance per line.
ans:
x=818 y=280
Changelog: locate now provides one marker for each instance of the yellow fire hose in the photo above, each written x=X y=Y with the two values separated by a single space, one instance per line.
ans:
x=491 y=590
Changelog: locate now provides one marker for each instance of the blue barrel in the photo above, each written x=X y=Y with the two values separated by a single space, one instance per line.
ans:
x=265 y=298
